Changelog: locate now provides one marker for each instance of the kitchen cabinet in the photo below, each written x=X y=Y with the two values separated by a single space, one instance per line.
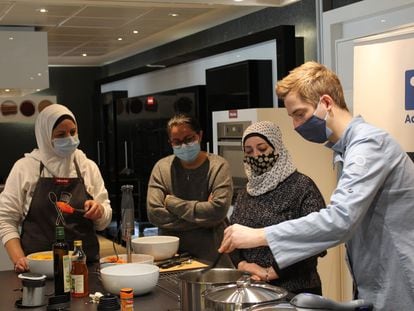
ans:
x=242 y=85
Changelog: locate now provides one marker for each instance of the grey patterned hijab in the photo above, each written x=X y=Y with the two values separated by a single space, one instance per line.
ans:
x=283 y=168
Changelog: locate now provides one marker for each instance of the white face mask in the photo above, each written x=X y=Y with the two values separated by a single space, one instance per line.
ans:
x=65 y=146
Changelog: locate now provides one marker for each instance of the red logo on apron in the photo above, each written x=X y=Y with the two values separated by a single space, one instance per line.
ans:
x=61 y=181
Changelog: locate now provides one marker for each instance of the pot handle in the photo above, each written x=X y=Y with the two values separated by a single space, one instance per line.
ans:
x=318 y=302
x=170 y=292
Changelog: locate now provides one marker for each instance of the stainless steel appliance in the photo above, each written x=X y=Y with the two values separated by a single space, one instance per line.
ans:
x=229 y=146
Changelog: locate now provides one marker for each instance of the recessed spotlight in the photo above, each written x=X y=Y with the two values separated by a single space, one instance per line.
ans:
x=173 y=14
x=38 y=90
x=7 y=90
x=383 y=20
x=119 y=39
x=11 y=38
x=43 y=10
x=84 y=54
x=155 y=66
x=135 y=31
x=39 y=74
x=238 y=0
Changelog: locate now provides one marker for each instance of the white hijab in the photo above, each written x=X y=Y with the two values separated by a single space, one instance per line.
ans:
x=283 y=168
x=56 y=165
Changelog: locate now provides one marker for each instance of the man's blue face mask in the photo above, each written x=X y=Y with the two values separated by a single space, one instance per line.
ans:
x=314 y=129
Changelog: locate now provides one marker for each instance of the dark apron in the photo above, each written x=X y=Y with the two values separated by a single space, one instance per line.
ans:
x=38 y=228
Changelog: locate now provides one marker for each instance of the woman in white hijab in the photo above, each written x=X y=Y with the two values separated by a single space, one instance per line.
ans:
x=55 y=171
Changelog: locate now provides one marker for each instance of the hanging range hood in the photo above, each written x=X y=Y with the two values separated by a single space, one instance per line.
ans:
x=23 y=61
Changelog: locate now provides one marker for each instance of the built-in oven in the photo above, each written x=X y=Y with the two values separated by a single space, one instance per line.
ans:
x=229 y=146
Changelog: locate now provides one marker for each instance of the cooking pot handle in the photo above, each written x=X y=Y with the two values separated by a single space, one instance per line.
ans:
x=311 y=301
x=170 y=292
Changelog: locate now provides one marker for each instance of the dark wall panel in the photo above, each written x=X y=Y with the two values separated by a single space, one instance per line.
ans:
x=73 y=87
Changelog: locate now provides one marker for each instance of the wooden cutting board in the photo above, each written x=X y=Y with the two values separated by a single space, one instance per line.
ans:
x=185 y=266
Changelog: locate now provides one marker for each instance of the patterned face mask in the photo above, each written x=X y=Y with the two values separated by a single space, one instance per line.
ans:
x=262 y=163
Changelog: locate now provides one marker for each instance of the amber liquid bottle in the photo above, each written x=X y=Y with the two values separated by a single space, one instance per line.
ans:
x=61 y=264
x=79 y=272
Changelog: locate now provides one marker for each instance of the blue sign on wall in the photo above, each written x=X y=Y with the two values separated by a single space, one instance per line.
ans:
x=409 y=90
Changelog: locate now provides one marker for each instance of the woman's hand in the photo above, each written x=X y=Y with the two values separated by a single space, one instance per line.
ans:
x=16 y=254
x=255 y=270
x=94 y=210
x=258 y=273
x=21 y=265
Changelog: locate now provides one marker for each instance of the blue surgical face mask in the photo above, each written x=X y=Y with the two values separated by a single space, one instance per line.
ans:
x=187 y=152
x=65 y=146
x=314 y=129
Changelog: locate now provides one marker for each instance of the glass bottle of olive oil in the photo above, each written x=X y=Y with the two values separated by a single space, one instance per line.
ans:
x=61 y=264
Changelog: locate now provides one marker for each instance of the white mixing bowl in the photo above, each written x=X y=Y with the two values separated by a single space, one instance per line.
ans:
x=122 y=259
x=140 y=276
x=42 y=262
x=159 y=246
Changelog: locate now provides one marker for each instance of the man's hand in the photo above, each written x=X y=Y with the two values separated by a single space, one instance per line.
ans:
x=238 y=236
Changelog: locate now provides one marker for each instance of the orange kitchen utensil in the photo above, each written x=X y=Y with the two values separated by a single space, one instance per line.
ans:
x=66 y=208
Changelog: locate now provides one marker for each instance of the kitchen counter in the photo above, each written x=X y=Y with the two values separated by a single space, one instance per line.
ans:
x=158 y=299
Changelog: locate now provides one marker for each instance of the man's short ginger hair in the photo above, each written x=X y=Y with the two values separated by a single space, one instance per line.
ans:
x=310 y=81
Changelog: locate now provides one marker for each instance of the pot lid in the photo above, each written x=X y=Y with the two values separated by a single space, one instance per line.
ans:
x=31 y=276
x=245 y=292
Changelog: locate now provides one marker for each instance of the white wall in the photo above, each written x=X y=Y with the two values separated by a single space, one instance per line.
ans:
x=381 y=64
x=193 y=73
x=5 y=263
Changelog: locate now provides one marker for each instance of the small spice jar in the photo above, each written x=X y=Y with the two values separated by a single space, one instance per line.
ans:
x=127 y=299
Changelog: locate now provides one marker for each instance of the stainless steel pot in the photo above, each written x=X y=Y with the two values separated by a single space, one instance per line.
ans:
x=239 y=296
x=194 y=283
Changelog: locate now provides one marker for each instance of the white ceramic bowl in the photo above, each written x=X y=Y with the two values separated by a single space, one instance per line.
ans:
x=42 y=262
x=122 y=259
x=159 y=246
x=141 y=277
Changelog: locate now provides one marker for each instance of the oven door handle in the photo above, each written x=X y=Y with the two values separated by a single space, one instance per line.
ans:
x=229 y=143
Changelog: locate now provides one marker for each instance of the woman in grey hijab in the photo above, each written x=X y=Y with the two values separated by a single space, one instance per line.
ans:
x=275 y=192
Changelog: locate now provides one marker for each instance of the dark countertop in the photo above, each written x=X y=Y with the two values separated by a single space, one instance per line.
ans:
x=158 y=299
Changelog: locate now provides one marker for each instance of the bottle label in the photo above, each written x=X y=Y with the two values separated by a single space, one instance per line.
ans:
x=127 y=304
x=66 y=274
x=77 y=284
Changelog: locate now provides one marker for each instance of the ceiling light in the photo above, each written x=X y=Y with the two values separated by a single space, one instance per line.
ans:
x=155 y=66
x=173 y=14
x=43 y=10
x=7 y=90
x=11 y=38
x=119 y=39
x=84 y=54
x=238 y=0
x=135 y=31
